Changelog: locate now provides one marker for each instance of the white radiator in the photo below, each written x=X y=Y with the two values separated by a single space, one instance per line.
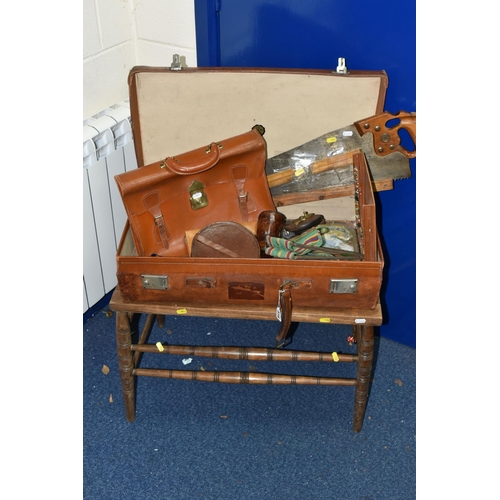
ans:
x=108 y=150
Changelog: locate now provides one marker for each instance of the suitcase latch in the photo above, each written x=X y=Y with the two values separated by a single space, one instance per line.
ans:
x=154 y=282
x=197 y=196
x=344 y=286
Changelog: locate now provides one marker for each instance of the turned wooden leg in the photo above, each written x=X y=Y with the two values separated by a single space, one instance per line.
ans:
x=365 y=342
x=160 y=318
x=126 y=363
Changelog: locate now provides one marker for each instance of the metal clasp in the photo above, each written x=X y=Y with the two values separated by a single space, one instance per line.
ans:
x=209 y=147
x=154 y=282
x=176 y=63
x=343 y=286
x=342 y=68
x=197 y=196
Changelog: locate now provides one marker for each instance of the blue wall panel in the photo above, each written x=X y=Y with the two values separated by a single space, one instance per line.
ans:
x=314 y=34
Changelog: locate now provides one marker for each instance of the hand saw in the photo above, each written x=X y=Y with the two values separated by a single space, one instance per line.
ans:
x=326 y=162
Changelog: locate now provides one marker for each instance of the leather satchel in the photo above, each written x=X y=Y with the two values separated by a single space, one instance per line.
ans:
x=225 y=181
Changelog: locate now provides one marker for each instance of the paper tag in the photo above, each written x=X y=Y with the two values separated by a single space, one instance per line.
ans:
x=181 y=311
x=278 y=307
x=359 y=320
x=347 y=133
x=330 y=140
x=324 y=320
x=278 y=313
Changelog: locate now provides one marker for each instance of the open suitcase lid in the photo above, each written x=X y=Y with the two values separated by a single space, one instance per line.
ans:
x=177 y=111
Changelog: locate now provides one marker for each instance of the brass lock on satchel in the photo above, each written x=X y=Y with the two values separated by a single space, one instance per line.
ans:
x=197 y=196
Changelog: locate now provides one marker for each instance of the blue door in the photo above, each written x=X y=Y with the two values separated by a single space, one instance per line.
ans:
x=314 y=34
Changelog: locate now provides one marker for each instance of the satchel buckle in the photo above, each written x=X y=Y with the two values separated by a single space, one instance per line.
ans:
x=197 y=196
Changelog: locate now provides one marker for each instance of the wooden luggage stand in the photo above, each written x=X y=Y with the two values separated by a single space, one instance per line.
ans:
x=363 y=321
x=242 y=97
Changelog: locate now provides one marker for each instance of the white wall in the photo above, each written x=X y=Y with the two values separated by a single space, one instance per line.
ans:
x=120 y=34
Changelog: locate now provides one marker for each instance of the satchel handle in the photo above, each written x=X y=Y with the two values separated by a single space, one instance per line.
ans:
x=197 y=165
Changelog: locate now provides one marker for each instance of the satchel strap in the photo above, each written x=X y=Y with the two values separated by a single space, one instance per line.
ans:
x=216 y=246
x=239 y=174
x=152 y=203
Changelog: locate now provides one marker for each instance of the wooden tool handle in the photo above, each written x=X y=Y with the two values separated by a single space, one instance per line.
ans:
x=386 y=139
x=409 y=123
x=317 y=167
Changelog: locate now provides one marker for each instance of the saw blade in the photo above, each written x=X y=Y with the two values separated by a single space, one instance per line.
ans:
x=301 y=163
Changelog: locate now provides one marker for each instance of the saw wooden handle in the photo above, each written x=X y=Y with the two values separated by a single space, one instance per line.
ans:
x=386 y=139
x=317 y=167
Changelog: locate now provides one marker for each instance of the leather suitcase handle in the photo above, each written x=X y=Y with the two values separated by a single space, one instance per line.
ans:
x=198 y=164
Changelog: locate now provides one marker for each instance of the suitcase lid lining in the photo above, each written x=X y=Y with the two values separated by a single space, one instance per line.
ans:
x=174 y=112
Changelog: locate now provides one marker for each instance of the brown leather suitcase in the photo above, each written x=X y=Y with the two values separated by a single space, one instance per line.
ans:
x=174 y=111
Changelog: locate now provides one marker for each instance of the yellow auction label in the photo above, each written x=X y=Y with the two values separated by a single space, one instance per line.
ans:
x=159 y=346
x=330 y=140
x=324 y=320
x=182 y=311
x=299 y=171
x=335 y=357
